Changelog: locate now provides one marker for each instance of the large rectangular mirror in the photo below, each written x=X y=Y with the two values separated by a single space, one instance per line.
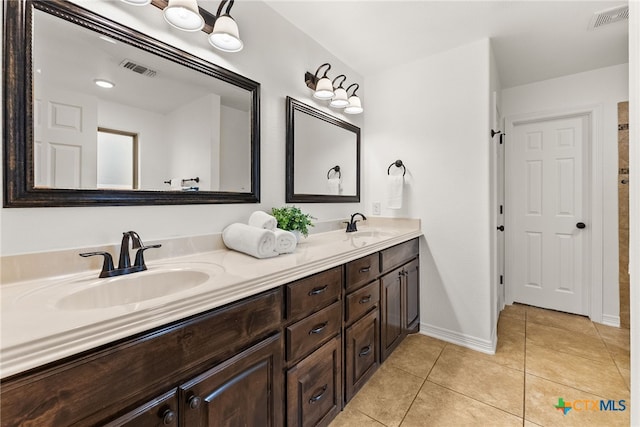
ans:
x=323 y=156
x=171 y=129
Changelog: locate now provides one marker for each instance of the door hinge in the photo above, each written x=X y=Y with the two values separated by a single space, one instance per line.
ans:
x=500 y=209
x=501 y=279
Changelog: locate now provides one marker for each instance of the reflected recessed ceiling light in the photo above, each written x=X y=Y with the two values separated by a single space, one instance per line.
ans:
x=137 y=2
x=104 y=83
x=184 y=15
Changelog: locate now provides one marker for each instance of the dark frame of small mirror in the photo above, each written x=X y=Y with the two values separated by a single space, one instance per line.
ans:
x=294 y=105
x=18 y=113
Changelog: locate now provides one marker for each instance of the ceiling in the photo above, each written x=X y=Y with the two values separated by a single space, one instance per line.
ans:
x=532 y=40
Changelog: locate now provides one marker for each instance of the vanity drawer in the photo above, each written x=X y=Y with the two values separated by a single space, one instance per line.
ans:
x=359 y=302
x=362 y=270
x=314 y=387
x=311 y=332
x=399 y=254
x=312 y=293
x=361 y=353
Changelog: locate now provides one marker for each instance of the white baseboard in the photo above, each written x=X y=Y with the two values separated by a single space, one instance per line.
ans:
x=454 y=337
x=610 y=320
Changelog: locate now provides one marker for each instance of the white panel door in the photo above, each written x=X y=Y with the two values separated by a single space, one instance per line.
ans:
x=65 y=139
x=546 y=190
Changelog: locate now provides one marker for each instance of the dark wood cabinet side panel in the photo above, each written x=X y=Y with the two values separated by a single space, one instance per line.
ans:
x=102 y=384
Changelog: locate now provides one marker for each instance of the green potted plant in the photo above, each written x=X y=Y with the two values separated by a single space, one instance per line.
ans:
x=292 y=219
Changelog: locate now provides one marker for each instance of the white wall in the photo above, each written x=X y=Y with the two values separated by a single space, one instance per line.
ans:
x=235 y=150
x=604 y=87
x=433 y=114
x=277 y=55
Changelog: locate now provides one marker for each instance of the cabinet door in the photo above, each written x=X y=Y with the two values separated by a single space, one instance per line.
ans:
x=314 y=387
x=412 y=297
x=391 y=305
x=246 y=390
x=361 y=353
x=159 y=412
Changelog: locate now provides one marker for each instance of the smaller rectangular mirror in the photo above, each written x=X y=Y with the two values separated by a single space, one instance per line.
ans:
x=323 y=156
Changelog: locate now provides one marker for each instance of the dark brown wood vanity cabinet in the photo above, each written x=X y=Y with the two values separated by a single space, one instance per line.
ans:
x=230 y=358
x=399 y=295
x=314 y=348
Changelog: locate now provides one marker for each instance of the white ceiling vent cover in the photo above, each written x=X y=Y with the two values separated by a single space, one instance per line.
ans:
x=137 y=68
x=609 y=16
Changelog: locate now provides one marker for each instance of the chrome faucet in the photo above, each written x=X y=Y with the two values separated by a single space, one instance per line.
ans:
x=124 y=261
x=351 y=225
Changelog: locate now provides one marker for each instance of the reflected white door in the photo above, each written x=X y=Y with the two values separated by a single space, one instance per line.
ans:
x=546 y=190
x=65 y=139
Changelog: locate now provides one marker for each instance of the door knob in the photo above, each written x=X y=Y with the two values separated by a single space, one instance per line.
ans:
x=581 y=225
x=501 y=228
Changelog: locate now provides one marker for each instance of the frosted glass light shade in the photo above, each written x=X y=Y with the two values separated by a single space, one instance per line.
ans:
x=340 y=99
x=355 y=105
x=324 y=89
x=184 y=15
x=137 y=2
x=225 y=35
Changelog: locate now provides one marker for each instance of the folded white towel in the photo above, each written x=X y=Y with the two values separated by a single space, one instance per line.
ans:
x=333 y=185
x=262 y=219
x=394 y=191
x=285 y=241
x=257 y=242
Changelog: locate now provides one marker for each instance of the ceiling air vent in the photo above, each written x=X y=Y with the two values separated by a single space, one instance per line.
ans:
x=137 y=68
x=609 y=16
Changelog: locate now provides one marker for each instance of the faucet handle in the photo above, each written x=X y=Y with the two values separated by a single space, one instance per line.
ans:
x=107 y=264
x=139 y=262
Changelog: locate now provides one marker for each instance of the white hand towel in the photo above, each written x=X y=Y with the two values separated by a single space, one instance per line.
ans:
x=257 y=242
x=285 y=241
x=395 y=185
x=333 y=185
x=262 y=219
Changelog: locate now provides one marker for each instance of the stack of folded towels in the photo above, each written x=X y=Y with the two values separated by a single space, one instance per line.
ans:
x=259 y=238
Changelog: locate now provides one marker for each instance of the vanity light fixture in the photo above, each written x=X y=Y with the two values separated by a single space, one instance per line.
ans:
x=106 y=84
x=137 y=2
x=355 y=105
x=323 y=88
x=340 y=94
x=184 y=15
x=225 y=35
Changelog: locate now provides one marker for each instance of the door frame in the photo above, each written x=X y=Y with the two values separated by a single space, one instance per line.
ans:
x=593 y=155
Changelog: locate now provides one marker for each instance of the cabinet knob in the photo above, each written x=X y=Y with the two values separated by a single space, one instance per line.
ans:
x=365 y=269
x=194 y=402
x=319 y=395
x=365 y=300
x=168 y=417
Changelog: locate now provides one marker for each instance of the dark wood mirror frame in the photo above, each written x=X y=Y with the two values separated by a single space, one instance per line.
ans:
x=19 y=189
x=294 y=105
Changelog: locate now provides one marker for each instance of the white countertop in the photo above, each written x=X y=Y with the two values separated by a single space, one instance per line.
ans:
x=34 y=331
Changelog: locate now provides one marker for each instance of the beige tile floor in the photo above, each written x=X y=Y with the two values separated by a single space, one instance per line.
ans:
x=542 y=356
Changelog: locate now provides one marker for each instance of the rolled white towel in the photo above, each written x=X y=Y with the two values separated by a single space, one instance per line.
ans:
x=262 y=219
x=257 y=242
x=285 y=241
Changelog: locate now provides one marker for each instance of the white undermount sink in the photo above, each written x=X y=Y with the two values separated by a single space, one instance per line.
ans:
x=132 y=288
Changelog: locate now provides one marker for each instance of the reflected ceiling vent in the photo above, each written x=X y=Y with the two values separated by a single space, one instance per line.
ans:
x=609 y=16
x=137 y=68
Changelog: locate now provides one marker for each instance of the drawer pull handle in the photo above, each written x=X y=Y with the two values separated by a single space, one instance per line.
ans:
x=316 y=291
x=318 y=328
x=365 y=300
x=365 y=351
x=318 y=396
x=365 y=269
